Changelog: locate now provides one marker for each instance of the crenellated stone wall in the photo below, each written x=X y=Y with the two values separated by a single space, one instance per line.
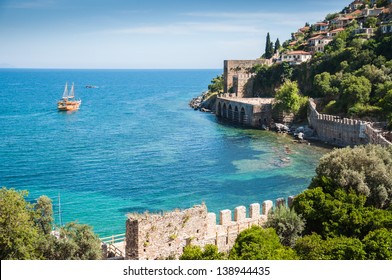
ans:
x=343 y=132
x=160 y=236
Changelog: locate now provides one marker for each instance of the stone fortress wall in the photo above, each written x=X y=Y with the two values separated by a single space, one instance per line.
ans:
x=162 y=236
x=343 y=132
x=238 y=77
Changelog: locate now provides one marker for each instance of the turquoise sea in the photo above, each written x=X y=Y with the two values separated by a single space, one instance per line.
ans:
x=136 y=146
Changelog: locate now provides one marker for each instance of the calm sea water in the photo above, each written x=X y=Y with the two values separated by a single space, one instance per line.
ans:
x=136 y=146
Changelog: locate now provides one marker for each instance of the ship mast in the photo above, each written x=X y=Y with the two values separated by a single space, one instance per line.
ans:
x=65 y=94
x=60 y=222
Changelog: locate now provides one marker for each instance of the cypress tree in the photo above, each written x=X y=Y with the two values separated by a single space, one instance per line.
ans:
x=268 y=49
x=277 y=45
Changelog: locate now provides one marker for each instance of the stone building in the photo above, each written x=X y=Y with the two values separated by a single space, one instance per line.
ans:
x=238 y=76
x=253 y=112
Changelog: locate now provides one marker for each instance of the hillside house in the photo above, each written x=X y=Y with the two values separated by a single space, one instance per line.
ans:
x=341 y=21
x=320 y=26
x=386 y=28
x=335 y=32
x=296 y=57
x=355 y=5
x=318 y=43
x=364 y=32
x=372 y=12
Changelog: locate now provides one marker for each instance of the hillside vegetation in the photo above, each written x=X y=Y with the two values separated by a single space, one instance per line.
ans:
x=352 y=73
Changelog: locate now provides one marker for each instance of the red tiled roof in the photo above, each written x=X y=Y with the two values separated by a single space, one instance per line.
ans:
x=337 y=30
x=316 y=37
x=355 y=13
x=321 y=23
x=298 y=52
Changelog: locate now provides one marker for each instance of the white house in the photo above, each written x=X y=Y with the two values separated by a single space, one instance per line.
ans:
x=386 y=28
x=342 y=21
x=355 y=5
x=295 y=57
x=336 y=31
x=321 y=26
x=318 y=43
x=364 y=32
x=372 y=12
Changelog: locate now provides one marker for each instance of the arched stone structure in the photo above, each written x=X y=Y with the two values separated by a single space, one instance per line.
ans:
x=219 y=109
x=230 y=113
x=243 y=117
x=236 y=114
x=247 y=111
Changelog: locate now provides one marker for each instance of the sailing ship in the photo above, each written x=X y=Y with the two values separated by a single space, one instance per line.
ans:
x=68 y=102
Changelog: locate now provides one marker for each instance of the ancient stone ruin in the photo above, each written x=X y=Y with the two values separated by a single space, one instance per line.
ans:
x=162 y=236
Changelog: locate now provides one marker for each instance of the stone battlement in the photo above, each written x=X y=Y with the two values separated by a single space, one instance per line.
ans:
x=160 y=236
x=343 y=132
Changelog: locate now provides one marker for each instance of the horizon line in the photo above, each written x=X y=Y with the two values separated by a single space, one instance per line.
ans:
x=45 y=68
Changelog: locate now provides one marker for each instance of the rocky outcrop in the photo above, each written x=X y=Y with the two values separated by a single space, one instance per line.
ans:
x=204 y=102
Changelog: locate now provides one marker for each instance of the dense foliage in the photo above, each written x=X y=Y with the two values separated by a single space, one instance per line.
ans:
x=288 y=99
x=287 y=224
x=26 y=232
x=257 y=243
x=366 y=170
x=216 y=84
x=210 y=252
x=353 y=75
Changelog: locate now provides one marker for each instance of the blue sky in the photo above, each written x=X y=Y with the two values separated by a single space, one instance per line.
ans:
x=146 y=33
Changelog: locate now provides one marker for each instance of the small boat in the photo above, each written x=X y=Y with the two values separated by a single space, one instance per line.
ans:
x=68 y=102
x=91 y=86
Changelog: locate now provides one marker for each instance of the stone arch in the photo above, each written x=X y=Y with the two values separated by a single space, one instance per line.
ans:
x=224 y=111
x=243 y=117
x=236 y=114
x=219 y=109
x=230 y=112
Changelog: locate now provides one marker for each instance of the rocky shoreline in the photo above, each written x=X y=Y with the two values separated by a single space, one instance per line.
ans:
x=204 y=102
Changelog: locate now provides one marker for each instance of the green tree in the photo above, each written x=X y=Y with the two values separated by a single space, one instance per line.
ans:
x=355 y=90
x=313 y=247
x=337 y=45
x=370 y=22
x=25 y=232
x=325 y=85
x=349 y=168
x=340 y=213
x=372 y=73
x=287 y=98
x=76 y=242
x=216 y=84
x=44 y=214
x=277 y=45
x=269 y=52
x=19 y=237
x=257 y=243
x=378 y=244
x=287 y=224
x=210 y=252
